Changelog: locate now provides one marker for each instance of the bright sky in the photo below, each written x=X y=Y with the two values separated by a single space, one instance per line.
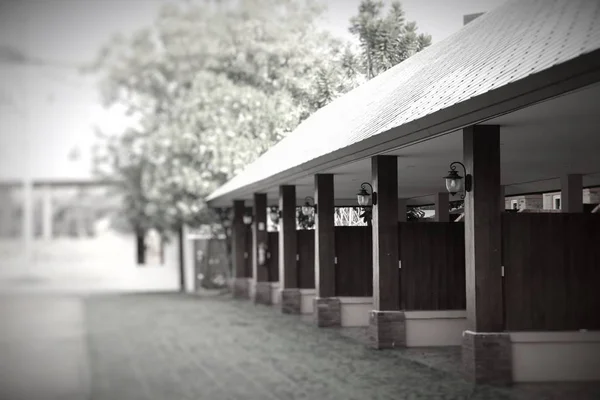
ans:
x=57 y=108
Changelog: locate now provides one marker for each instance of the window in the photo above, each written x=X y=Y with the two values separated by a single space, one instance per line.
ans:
x=556 y=200
x=514 y=204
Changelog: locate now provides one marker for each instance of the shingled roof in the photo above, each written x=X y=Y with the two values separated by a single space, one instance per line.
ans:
x=518 y=39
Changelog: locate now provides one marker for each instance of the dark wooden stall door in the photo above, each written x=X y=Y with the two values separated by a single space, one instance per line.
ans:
x=432 y=270
x=306 y=258
x=354 y=268
x=273 y=257
x=551 y=271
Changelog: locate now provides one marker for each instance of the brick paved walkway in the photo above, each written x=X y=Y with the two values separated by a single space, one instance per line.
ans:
x=43 y=352
x=175 y=347
x=183 y=347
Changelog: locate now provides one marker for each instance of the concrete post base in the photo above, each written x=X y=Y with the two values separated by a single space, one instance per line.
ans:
x=387 y=329
x=487 y=358
x=262 y=293
x=327 y=312
x=291 y=301
x=275 y=294
x=241 y=288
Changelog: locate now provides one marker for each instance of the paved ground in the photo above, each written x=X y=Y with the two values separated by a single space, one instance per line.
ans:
x=170 y=346
x=43 y=348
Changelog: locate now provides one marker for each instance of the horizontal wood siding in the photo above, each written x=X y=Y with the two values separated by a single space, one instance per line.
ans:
x=551 y=271
x=306 y=259
x=432 y=256
x=354 y=268
x=273 y=259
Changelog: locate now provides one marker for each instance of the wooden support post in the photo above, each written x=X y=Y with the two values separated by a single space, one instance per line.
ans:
x=402 y=210
x=386 y=322
x=240 y=283
x=327 y=306
x=324 y=236
x=291 y=300
x=442 y=207
x=486 y=350
x=386 y=291
x=287 y=237
x=571 y=195
x=249 y=246
x=262 y=288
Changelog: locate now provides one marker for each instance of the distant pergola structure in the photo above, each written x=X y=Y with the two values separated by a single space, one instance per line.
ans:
x=515 y=97
x=47 y=186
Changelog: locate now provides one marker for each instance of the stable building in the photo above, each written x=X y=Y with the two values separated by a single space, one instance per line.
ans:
x=510 y=106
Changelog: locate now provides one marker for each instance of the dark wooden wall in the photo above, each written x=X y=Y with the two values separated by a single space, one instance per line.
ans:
x=354 y=268
x=273 y=256
x=306 y=259
x=551 y=271
x=432 y=276
x=248 y=250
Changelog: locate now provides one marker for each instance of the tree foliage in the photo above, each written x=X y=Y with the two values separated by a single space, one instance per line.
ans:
x=385 y=40
x=211 y=87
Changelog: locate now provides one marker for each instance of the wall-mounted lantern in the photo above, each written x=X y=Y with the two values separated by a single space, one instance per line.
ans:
x=455 y=183
x=262 y=254
x=274 y=215
x=309 y=204
x=247 y=218
x=364 y=197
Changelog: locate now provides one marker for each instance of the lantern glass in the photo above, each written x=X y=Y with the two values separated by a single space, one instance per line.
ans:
x=306 y=209
x=454 y=184
x=363 y=198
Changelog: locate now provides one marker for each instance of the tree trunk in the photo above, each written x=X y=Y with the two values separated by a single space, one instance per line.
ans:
x=140 y=235
x=181 y=260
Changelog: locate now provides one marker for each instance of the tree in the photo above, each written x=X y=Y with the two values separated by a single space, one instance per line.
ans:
x=385 y=40
x=125 y=157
